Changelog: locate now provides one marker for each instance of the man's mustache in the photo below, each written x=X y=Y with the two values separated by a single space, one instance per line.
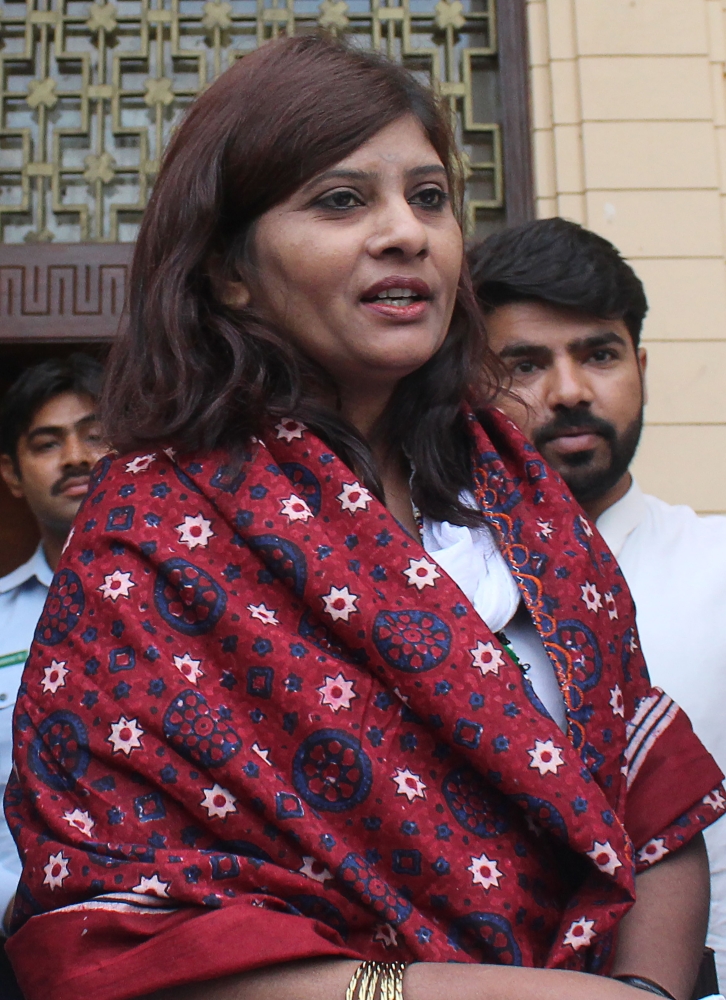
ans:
x=73 y=472
x=567 y=421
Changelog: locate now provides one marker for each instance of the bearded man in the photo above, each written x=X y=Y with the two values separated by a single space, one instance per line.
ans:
x=564 y=313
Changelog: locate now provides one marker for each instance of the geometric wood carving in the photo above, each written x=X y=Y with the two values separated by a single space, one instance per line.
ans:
x=62 y=291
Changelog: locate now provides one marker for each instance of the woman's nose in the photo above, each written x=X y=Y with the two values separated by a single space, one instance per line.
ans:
x=398 y=231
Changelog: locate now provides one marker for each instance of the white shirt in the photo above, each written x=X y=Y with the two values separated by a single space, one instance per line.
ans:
x=22 y=596
x=675 y=565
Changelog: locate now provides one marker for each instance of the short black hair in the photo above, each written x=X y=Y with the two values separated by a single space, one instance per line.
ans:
x=78 y=373
x=561 y=264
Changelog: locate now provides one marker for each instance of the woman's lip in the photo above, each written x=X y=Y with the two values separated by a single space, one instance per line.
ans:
x=416 y=285
x=571 y=443
x=402 y=314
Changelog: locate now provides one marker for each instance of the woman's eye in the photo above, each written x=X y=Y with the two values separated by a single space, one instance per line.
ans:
x=340 y=200
x=524 y=368
x=432 y=197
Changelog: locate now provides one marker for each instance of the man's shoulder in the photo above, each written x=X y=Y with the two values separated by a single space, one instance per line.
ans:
x=682 y=518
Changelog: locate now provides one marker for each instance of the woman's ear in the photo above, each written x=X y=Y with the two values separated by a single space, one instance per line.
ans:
x=235 y=294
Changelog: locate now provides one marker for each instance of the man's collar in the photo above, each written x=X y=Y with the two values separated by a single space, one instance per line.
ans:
x=617 y=522
x=37 y=566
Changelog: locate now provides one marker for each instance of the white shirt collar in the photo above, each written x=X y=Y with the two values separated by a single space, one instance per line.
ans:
x=617 y=522
x=37 y=566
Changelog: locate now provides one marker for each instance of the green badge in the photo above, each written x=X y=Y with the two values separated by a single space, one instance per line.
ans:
x=13 y=659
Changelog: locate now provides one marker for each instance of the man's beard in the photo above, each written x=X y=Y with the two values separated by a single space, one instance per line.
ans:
x=590 y=484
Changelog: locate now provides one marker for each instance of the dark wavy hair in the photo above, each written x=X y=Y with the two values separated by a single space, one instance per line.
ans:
x=190 y=371
x=561 y=264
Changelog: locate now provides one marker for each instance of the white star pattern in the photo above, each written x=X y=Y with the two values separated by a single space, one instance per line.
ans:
x=262 y=614
x=401 y=696
x=421 y=573
x=633 y=643
x=340 y=603
x=591 y=597
x=152 y=886
x=485 y=872
x=653 y=851
x=546 y=757
x=288 y=430
x=295 y=508
x=487 y=658
x=616 y=701
x=189 y=667
x=409 y=784
x=337 y=692
x=386 y=935
x=354 y=497
x=316 y=870
x=218 y=802
x=610 y=605
x=545 y=530
x=580 y=934
x=139 y=464
x=605 y=857
x=170 y=453
x=195 y=531
x=586 y=526
x=262 y=754
x=67 y=542
x=715 y=799
x=56 y=870
x=125 y=735
x=80 y=821
x=54 y=676
x=115 y=585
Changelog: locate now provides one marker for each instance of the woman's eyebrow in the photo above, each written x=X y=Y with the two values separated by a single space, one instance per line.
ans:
x=349 y=174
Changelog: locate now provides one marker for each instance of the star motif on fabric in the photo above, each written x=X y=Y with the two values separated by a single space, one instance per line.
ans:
x=54 y=676
x=653 y=851
x=591 y=597
x=262 y=754
x=386 y=934
x=580 y=933
x=188 y=667
x=316 y=870
x=80 y=821
x=586 y=526
x=421 y=573
x=409 y=784
x=610 y=605
x=616 y=701
x=67 y=542
x=218 y=802
x=401 y=696
x=605 y=857
x=170 y=453
x=487 y=658
x=337 y=692
x=295 y=508
x=340 y=603
x=194 y=531
x=115 y=585
x=56 y=871
x=262 y=614
x=139 y=464
x=485 y=872
x=546 y=530
x=125 y=735
x=715 y=799
x=152 y=886
x=633 y=645
x=354 y=497
x=289 y=430
x=546 y=757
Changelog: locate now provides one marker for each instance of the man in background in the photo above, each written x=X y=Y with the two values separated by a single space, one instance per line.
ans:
x=564 y=314
x=50 y=440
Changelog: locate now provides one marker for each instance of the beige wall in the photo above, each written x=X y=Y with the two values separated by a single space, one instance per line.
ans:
x=629 y=107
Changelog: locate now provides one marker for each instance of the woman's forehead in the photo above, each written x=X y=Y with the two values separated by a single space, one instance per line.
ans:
x=402 y=145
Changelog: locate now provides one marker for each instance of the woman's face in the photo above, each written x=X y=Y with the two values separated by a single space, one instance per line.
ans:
x=362 y=263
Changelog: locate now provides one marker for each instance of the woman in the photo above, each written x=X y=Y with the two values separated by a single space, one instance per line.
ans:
x=265 y=734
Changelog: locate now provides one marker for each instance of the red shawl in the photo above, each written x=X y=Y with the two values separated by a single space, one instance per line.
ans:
x=259 y=723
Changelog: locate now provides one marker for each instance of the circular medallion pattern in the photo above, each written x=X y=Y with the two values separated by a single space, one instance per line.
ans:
x=59 y=754
x=187 y=597
x=283 y=559
x=331 y=771
x=412 y=641
x=320 y=909
x=198 y=732
x=471 y=800
x=582 y=645
x=544 y=814
x=305 y=484
x=63 y=609
x=487 y=937
x=363 y=882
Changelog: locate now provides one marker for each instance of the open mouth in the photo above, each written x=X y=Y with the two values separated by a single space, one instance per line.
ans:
x=400 y=298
